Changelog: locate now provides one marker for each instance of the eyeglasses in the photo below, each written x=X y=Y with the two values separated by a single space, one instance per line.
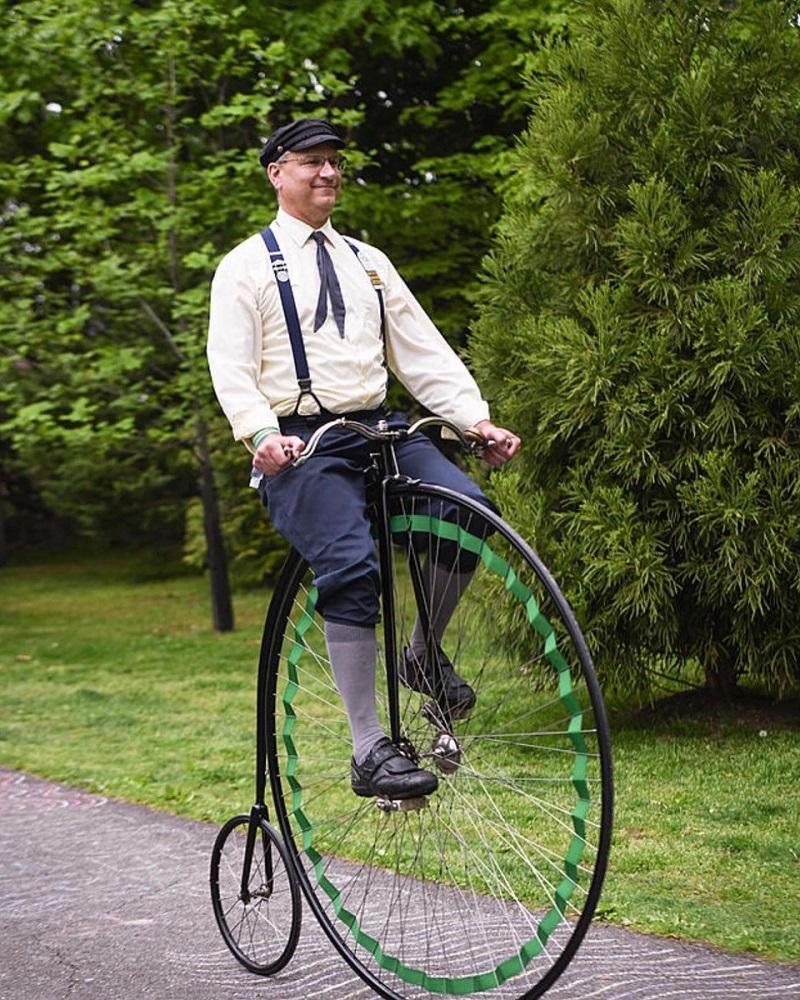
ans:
x=316 y=161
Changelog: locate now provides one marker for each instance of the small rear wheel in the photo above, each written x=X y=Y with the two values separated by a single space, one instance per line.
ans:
x=256 y=900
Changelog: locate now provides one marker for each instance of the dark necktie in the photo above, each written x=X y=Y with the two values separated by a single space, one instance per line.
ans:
x=328 y=287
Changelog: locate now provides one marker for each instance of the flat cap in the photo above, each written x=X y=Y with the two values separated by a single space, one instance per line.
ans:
x=300 y=134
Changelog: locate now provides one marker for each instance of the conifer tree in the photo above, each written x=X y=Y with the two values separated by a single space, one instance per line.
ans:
x=640 y=327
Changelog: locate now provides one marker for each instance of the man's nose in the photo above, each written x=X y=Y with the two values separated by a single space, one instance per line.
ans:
x=326 y=170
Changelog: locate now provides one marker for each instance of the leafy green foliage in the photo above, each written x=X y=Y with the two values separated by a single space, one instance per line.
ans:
x=129 y=168
x=117 y=207
x=640 y=327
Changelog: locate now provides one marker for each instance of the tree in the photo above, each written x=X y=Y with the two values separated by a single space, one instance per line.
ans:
x=117 y=206
x=640 y=325
x=128 y=169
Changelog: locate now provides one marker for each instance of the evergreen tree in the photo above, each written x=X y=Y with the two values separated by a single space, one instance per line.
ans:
x=640 y=327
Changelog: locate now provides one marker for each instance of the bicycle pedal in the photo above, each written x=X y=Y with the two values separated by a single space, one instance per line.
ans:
x=402 y=805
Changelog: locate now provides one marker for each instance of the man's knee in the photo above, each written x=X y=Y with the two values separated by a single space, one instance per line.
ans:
x=350 y=594
x=462 y=552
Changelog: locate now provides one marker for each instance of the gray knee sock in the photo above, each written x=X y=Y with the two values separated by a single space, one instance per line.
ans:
x=352 y=653
x=444 y=589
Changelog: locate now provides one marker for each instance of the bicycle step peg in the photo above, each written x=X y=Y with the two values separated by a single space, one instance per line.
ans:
x=402 y=805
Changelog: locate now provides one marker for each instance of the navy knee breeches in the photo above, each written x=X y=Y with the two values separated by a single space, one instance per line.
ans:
x=321 y=509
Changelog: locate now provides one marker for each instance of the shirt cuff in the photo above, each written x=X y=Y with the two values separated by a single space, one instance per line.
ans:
x=248 y=422
x=467 y=422
x=259 y=436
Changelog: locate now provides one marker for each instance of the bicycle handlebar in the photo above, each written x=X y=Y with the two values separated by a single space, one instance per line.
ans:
x=470 y=440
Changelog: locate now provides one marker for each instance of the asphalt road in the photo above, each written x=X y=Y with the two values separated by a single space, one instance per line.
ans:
x=101 y=900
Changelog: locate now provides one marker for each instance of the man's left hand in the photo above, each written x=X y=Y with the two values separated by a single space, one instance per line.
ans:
x=502 y=444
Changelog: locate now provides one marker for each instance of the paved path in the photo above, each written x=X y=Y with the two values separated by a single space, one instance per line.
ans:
x=101 y=900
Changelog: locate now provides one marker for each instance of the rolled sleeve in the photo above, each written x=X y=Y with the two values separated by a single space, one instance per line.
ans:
x=423 y=360
x=234 y=350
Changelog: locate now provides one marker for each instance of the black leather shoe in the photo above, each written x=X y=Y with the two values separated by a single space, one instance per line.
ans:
x=388 y=773
x=436 y=678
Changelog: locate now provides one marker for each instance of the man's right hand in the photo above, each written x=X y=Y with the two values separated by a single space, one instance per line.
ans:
x=276 y=451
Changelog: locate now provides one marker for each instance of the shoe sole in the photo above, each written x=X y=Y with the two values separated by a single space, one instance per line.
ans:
x=366 y=793
x=393 y=798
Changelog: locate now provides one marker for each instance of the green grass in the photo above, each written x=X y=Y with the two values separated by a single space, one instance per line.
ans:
x=111 y=679
x=707 y=841
x=115 y=682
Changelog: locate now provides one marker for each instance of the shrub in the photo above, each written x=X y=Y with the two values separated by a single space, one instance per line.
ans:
x=640 y=327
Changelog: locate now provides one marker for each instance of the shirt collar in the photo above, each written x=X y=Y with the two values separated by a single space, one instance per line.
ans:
x=300 y=231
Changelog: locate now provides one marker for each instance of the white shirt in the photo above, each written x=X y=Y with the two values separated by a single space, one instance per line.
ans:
x=250 y=356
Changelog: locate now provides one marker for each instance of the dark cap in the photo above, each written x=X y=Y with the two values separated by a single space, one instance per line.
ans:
x=301 y=134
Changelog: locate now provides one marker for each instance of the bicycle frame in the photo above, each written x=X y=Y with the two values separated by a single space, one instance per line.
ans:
x=430 y=527
x=385 y=465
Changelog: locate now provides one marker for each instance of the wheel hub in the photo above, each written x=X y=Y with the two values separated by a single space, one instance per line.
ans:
x=446 y=753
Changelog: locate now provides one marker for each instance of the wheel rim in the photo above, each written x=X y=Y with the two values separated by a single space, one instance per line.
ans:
x=491 y=887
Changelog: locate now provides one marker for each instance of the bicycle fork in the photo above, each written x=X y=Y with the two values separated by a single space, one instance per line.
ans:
x=387 y=596
x=257 y=813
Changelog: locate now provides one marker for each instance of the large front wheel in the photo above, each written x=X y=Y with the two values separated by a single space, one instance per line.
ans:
x=489 y=889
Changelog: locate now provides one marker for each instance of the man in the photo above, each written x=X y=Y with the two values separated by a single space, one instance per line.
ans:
x=302 y=322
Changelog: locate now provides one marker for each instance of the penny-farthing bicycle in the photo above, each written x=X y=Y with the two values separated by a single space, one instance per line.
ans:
x=486 y=887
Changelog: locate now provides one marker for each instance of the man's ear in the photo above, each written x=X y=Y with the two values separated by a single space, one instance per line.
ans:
x=273 y=172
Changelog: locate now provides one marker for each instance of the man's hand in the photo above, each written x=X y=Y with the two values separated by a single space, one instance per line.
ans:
x=275 y=452
x=502 y=444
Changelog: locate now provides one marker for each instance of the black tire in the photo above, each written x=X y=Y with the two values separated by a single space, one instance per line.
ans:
x=261 y=931
x=490 y=889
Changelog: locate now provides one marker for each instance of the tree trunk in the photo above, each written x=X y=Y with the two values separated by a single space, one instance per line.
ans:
x=221 y=603
x=3 y=543
x=721 y=675
x=216 y=557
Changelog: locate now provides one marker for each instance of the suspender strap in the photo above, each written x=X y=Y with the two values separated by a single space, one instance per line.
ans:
x=289 y=312
x=376 y=282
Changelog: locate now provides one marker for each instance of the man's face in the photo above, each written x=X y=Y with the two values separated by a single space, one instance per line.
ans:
x=307 y=183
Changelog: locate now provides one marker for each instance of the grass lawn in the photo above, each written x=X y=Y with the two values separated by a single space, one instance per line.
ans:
x=111 y=679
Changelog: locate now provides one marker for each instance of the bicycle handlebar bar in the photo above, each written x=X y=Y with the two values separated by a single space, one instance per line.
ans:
x=470 y=440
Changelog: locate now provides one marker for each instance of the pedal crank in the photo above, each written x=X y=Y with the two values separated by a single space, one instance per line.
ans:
x=446 y=752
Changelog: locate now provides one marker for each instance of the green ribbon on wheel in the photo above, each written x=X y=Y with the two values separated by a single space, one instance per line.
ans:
x=515 y=963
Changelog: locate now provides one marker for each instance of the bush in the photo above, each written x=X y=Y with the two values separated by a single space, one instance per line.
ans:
x=640 y=327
